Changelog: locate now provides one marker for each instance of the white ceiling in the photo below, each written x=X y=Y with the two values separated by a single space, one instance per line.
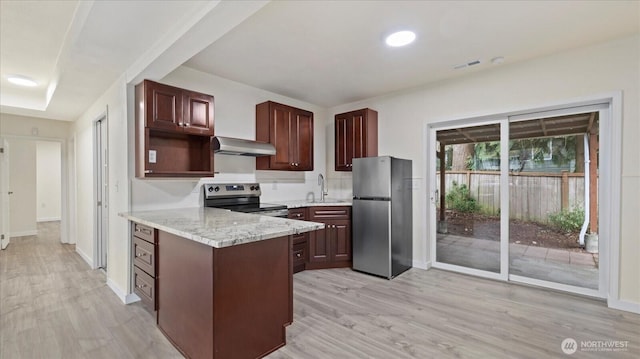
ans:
x=74 y=49
x=332 y=53
x=322 y=52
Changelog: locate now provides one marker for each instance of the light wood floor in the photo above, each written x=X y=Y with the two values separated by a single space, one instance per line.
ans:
x=53 y=306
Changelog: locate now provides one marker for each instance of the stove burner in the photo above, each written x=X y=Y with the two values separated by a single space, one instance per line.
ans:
x=241 y=198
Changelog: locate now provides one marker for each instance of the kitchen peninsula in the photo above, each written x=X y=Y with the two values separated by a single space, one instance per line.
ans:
x=223 y=285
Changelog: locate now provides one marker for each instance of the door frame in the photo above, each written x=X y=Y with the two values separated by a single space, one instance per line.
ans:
x=609 y=189
x=5 y=213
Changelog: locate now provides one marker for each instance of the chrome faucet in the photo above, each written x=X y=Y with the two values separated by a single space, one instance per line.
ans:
x=321 y=183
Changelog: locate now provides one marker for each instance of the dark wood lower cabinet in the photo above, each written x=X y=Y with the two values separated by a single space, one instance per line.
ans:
x=300 y=248
x=231 y=302
x=330 y=247
x=144 y=258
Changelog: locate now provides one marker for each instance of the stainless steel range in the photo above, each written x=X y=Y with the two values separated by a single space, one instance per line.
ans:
x=241 y=197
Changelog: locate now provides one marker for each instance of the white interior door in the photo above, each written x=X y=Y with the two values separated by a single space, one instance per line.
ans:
x=101 y=172
x=4 y=193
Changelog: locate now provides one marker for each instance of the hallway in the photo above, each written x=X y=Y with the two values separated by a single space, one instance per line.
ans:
x=52 y=305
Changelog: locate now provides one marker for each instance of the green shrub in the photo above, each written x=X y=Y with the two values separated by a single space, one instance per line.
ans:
x=459 y=199
x=568 y=220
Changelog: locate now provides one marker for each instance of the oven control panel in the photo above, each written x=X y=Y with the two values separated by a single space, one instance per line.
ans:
x=213 y=190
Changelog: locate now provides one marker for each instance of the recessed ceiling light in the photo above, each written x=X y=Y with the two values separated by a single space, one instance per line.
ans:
x=21 y=81
x=400 y=38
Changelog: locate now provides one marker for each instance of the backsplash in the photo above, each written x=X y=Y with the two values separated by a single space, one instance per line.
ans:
x=183 y=193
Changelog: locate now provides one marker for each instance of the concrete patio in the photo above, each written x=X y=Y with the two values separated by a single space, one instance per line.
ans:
x=550 y=264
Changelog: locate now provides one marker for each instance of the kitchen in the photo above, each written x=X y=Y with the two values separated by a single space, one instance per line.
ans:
x=235 y=116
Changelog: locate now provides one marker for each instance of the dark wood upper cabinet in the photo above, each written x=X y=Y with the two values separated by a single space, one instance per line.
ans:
x=356 y=136
x=163 y=106
x=174 y=129
x=197 y=113
x=290 y=130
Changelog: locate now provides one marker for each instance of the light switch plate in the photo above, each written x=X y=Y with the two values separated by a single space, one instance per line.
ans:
x=152 y=156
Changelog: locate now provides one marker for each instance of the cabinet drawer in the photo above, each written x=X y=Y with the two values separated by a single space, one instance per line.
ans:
x=300 y=238
x=144 y=232
x=298 y=213
x=144 y=256
x=321 y=212
x=145 y=287
x=299 y=254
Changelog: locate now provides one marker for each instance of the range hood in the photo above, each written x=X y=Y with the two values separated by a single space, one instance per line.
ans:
x=241 y=147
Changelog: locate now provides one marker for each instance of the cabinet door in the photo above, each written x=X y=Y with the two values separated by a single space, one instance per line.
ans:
x=281 y=134
x=302 y=138
x=319 y=247
x=358 y=137
x=340 y=240
x=164 y=106
x=198 y=113
x=343 y=143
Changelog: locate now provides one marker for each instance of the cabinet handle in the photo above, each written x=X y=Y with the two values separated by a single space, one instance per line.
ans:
x=141 y=254
x=298 y=215
x=140 y=286
x=298 y=255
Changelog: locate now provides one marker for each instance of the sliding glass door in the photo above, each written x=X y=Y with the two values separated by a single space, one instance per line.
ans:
x=516 y=198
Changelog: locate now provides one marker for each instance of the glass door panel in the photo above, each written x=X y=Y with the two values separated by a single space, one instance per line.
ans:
x=468 y=197
x=548 y=195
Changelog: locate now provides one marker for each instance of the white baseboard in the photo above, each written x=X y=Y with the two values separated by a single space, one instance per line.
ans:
x=125 y=298
x=624 y=305
x=85 y=257
x=23 y=233
x=48 y=219
x=132 y=298
x=421 y=264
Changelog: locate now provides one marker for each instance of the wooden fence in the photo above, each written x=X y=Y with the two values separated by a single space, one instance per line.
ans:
x=532 y=196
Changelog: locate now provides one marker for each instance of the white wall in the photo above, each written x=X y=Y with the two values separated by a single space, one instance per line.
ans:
x=113 y=102
x=584 y=72
x=14 y=125
x=48 y=181
x=234 y=117
x=22 y=182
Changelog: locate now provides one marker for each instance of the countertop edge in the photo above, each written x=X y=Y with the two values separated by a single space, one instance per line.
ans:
x=307 y=226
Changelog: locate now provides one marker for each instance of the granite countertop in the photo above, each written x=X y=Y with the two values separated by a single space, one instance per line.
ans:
x=220 y=228
x=306 y=203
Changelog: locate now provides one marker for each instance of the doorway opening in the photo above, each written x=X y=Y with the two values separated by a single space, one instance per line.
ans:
x=516 y=198
x=33 y=189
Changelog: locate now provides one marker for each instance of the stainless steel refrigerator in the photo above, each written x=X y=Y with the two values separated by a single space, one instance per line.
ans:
x=382 y=216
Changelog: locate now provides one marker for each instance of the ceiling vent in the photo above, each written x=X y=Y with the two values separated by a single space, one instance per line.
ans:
x=468 y=64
